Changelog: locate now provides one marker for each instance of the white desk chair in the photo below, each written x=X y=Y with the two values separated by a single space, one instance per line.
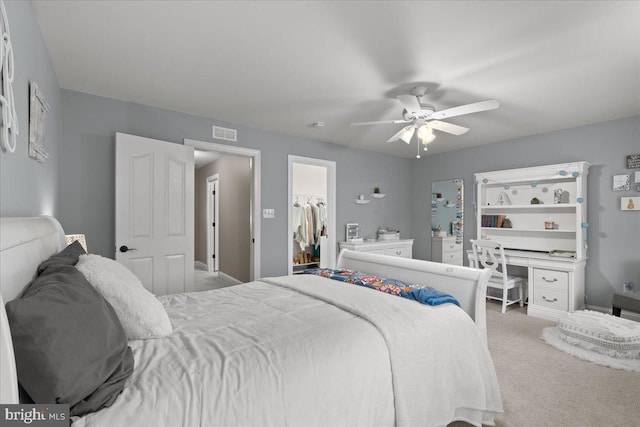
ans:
x=485 y=254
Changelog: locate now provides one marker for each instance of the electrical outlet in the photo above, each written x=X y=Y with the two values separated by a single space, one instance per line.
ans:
x=268 y=213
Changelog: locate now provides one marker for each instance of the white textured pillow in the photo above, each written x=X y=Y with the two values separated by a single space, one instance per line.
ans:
x=140 y=312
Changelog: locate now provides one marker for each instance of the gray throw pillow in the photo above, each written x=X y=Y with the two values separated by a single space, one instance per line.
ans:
x=67 y=256
x=69 y=344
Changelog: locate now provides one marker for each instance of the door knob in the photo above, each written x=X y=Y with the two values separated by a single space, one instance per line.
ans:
x=125 y=248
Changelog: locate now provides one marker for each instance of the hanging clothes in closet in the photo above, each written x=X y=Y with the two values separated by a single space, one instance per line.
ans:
x=309 y=223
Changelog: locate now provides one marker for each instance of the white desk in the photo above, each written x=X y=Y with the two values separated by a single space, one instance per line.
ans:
x=556 y=285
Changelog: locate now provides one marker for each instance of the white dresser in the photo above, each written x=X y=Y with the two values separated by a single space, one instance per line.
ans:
x=402 y=247
x=446 y=250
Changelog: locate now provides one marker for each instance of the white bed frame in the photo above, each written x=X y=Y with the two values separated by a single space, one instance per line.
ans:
x=467 y=285
x=26 y=242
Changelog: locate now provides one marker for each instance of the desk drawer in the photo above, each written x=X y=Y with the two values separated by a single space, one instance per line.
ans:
x=551 y=279
x=551 y=298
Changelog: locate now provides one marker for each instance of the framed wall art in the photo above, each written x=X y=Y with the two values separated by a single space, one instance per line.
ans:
x=38 y=108
x=621 y=182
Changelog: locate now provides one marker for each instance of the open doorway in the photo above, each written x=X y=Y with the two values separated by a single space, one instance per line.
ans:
x=233 y=176
x=312 y=213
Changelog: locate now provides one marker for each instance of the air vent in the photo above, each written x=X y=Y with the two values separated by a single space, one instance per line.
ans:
x=225 y=133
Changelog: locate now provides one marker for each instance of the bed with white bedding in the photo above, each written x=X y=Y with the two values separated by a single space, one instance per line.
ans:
x=304 y=351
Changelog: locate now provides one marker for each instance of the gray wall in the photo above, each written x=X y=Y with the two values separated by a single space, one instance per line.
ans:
x=89 y=124
x=613 y=235
x=27 y=187
x=234 y=215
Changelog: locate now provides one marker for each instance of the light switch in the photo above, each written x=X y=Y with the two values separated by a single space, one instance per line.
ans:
x=268 y=213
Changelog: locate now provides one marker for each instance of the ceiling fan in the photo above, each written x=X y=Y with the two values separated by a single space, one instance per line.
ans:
x=424 y=118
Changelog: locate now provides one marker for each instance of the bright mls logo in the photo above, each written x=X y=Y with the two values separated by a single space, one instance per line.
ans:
x=34 y=415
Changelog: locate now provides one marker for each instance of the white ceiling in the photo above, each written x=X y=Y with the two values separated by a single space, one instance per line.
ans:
x=284 y=65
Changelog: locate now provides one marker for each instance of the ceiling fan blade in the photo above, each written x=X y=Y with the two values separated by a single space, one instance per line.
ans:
x=380 y=122
x=410 y=102
x=476 y=107
x=448 y=127
x=399 y=134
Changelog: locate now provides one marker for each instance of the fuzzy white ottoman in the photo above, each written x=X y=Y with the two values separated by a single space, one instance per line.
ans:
x=599 y=338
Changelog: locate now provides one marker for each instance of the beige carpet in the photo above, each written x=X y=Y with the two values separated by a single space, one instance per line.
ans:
x=542 y=386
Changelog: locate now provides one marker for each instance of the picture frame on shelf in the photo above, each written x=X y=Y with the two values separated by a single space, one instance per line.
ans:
x=621 y=182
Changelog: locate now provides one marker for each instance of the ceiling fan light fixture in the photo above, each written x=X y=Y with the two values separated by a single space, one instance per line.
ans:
x=424 y=131
x=427 y=139
x=407 y=134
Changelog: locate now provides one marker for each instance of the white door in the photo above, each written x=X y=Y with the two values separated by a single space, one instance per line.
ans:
x=213 y=217
x=154 y=212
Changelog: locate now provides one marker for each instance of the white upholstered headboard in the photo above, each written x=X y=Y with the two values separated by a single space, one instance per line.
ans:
x=24 y=244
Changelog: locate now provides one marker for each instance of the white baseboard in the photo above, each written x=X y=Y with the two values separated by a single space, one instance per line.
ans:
x=625 y=314
x=228 y=278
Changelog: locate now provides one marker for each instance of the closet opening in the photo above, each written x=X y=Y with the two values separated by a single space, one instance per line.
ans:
x=311 y=225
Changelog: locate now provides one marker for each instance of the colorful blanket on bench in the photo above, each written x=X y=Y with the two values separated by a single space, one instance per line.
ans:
x=422 y=294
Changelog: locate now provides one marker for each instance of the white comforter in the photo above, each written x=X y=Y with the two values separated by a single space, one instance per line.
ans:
x=306 y=351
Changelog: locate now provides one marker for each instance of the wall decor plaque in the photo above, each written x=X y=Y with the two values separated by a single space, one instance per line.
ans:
x=633 y=161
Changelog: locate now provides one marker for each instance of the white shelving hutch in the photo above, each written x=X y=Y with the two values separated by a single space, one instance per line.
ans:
x=556 y=285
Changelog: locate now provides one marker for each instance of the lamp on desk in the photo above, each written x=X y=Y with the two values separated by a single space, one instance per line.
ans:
x=70 y=238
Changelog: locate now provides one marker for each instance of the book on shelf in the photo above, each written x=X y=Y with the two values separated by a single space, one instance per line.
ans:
x=493 y=221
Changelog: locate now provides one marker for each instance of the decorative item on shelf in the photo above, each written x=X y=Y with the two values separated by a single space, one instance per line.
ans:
x=377 y=194
x=549 y=225
x=503 y=198
x=560 y=196
x=536 y=201
x=627 y=286
x=506 y=223
x=361 y=200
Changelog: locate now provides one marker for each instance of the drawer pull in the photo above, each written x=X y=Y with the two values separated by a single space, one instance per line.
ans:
x=549 y=300
x=550 y=281
x=398 y=252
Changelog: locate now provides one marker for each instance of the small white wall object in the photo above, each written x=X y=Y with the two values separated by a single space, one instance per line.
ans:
x=9 y=126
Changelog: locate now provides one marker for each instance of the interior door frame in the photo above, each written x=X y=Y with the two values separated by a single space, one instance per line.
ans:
x=331 y=207
x=213 y=239
x=255 y=158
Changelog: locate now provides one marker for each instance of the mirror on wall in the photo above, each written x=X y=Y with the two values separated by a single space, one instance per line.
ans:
x=447 y=208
